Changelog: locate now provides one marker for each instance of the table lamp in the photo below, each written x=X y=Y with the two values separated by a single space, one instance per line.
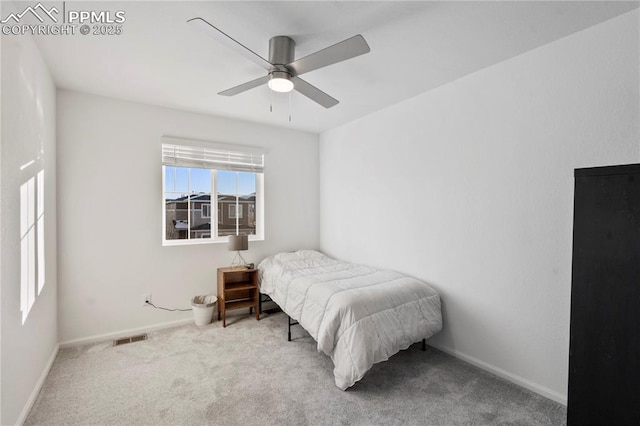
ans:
x=238 y=243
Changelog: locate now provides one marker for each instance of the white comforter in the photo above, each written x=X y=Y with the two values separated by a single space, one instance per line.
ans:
x=359 y=315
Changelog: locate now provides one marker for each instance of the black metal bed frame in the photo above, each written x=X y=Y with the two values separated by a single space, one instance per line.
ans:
x=291 y=322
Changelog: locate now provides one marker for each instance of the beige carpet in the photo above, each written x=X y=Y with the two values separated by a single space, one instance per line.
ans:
x=248 y=374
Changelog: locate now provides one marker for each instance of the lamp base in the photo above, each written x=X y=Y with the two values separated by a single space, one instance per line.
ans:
x=238 y=261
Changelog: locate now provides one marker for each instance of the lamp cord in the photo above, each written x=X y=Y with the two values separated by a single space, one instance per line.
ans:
x=167 y=309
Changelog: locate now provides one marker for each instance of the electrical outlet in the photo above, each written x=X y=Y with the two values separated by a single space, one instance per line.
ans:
x=146 y=298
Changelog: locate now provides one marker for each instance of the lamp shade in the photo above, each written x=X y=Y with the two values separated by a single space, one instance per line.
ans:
x=238 y=242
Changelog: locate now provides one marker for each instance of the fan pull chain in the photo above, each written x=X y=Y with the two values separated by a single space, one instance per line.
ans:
x=289 y=107
x=270 y=101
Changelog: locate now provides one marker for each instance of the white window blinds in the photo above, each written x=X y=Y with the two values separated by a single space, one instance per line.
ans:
x=186 y=153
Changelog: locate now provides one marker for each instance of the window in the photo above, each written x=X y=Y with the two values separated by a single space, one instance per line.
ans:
x=205 y=211
x=232 y=211
x=200 y=179
x=32 y=272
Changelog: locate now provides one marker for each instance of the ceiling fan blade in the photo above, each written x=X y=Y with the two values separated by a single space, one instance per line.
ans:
x=232 y=44
x=245 y=86
x=313 y=93
x=346 y=49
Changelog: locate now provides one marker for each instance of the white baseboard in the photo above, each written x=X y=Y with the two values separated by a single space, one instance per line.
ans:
x=38 y=386
x=123 y=333
x=513 y=378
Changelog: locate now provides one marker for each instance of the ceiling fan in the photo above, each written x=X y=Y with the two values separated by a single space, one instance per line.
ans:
x=283 y=70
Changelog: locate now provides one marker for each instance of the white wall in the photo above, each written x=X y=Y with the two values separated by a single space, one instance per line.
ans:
x=110 y=201
x=470 y=188
x=28 y=137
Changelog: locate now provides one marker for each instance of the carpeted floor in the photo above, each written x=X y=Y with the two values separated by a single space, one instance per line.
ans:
x=248 y=374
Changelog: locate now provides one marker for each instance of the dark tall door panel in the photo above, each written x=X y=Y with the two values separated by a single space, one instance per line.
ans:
x=604 y=355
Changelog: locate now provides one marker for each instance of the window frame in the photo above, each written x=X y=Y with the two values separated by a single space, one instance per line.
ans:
x=215 y=239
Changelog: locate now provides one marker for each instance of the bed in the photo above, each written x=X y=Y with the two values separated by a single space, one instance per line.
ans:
x=357 y=314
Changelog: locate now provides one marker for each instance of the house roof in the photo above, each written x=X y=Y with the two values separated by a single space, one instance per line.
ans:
x=201 y=227
x=184 y=225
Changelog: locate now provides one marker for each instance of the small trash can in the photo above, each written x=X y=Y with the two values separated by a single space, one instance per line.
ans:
x=202 y=307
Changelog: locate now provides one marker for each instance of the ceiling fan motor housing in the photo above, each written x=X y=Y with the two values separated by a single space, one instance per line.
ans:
x=281 y=53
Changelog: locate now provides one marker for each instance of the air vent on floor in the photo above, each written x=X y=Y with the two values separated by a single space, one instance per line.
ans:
x=130 y=339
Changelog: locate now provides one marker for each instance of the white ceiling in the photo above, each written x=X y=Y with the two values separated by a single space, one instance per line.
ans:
x=415 y=47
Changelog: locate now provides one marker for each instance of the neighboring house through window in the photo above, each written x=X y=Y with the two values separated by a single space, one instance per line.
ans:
x=201 y=178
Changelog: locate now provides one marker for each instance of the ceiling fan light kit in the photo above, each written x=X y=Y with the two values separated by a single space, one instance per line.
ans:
x=283 y=70
x=280 y=81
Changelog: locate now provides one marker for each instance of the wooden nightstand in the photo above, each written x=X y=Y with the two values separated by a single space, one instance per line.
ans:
x=237 y=288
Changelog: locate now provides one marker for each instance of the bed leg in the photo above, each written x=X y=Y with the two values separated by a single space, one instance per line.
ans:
x=424 y=345
x=290 y=324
